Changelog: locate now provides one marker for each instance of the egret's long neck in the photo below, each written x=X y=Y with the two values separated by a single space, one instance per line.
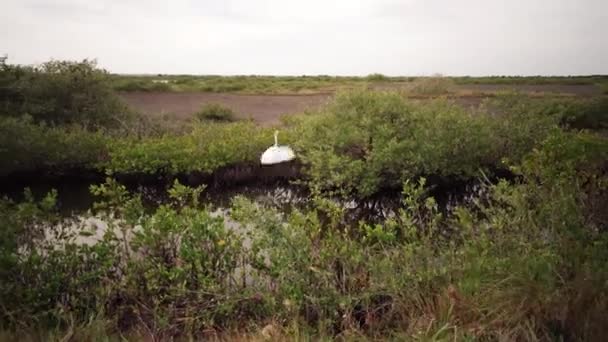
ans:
x=276 y=138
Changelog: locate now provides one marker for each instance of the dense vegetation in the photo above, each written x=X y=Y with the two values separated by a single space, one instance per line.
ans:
x=238 y=84
x=523 y=259
x=322 y=84
x=531 y=80
x=61 y=93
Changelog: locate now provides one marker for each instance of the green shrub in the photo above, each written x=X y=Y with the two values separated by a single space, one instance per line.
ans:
x=62 y=93
x=130 y=85
x=48 y=278
x=591 y=114
x=377 y=77
x=215 y=112
x=504 y=263
x=510 y=263
x=569 y=112
x=140 y=269
x=27 y=146
x=206 y=148
x=367 y=141
x=185 y=258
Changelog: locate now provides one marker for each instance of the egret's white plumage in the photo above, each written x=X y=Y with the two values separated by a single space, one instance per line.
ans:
x=277 y=154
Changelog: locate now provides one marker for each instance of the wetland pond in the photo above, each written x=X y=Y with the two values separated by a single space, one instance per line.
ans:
x=279 y=186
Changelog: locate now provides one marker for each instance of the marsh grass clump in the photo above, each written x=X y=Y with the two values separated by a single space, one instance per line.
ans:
x=215 y=112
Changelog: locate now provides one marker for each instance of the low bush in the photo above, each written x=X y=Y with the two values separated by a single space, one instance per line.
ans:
x=590 y=114
x=44 y=272
x=62 y=93
x=571 y=113
x=367 y=141
x=28 y=146
x=206 y=148
x=215 y=112
x=377 y=77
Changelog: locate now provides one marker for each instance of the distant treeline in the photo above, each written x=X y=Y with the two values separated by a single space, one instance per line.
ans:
x=259 y=84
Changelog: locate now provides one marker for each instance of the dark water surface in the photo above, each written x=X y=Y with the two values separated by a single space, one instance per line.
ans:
x=74 y=196
x=267 y=184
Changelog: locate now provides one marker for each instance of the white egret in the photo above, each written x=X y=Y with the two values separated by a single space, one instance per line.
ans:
x=277 y=154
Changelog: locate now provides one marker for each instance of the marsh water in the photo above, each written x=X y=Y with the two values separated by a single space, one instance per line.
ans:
x=258 y=183
x=74 y=200
x=272 y=189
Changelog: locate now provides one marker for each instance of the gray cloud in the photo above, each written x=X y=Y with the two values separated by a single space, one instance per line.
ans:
x=396 y=37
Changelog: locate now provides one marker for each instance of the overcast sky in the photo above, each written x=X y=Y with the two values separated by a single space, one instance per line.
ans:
x=337 y=37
